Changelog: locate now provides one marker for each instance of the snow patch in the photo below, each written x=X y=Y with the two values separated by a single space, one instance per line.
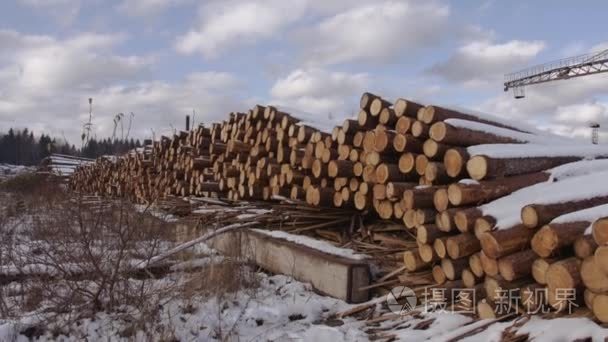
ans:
x=505 y=132
x=537 y=150
x=319 y=245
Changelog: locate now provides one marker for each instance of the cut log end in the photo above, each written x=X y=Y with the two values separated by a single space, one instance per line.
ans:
x=454 y=194
x=600 y=307
x=438 y=131
x=453 y=162
x=440 y=200
x=600 y=231
x=427 y=114
x=564 y=274
x=545 y=241
x=529 y=216
x=438 y=275
x=539 y=270
x=477 y=167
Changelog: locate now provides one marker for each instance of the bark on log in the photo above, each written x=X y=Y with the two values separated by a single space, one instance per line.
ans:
x=517 y=265
x=486 y=191
x=499 y=243
x=555 y=236
x=482 y=167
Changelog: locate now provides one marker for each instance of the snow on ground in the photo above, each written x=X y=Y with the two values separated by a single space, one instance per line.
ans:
x=10 y=170
x=319 y=245
x=280 y=309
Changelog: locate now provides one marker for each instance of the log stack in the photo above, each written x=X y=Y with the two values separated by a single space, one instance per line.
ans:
x=494 y=206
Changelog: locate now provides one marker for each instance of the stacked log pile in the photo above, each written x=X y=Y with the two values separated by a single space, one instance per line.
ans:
x=494 y=206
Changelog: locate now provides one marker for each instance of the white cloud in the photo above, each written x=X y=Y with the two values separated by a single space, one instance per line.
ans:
x=63 y=11
x=376 y=32
x=565 y=107
x=225 y=24
x=146 y=8
x=45 y=83
x=42 y=64
x=480 y=62
x=320 y=91
x=330 y=31
x=584 y=113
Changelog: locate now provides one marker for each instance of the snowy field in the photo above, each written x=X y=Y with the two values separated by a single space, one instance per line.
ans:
x=279 y=308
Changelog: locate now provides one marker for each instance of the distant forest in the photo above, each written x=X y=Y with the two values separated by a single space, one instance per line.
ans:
x=23 y=147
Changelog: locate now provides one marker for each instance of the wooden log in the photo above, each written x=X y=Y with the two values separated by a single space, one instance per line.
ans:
x=421 y=163
x=453 y=268
x=455 y=162
x=378 y=104
x=424 y=216
x=438 y=275
x=600 y=307
x=436 y=173
x=396 y=189
x=445 y=133
x=419 y=197
x=517 y=265
x=539 y=269
x=485 y=191
x=495 y=287
x=439 y=246
x=445 y=220
x=555 y=236
x=340 y=168
x=470 y=279
x=390 y=172
x=434 y=113
x=484 y=224
x=406 y=108
x=434 y=150
x=593 y=276
x=387 y=117
x=601 y=258
x=465 y=219
x=489 y=265
x=403 y=125
x=600 y=231
x=413 y=262
x=407 y=163
x=427 y=253
x=440 y=199
x=462 y=245
x=426 y=234
x=563 y=274
x=499 y=243
x=409 y=218
x=406 y=143
x=475 y=264
x=584 y=246
x=533 y=297
x=534 y=215
x=482 y=167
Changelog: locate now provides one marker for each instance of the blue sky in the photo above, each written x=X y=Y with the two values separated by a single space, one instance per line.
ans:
x=160 y=59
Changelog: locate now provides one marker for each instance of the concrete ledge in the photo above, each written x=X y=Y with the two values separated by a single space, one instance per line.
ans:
x=332 y=275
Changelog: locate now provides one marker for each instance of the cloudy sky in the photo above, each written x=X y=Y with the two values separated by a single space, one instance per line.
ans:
x=162 y=59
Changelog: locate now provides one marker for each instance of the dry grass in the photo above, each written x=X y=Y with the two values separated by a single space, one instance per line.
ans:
x=85 y=257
